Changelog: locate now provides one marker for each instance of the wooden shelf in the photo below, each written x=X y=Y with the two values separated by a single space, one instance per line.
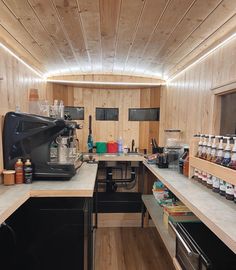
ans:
x=219 y=171
x=156 y=214
x=217 y=213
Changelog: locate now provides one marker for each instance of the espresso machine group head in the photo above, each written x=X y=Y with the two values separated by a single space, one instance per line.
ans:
x=30 y=136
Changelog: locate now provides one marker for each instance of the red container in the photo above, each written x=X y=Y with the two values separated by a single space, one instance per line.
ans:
x=112 y=147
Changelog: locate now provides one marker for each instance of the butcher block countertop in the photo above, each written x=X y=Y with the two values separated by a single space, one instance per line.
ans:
x=81 y=185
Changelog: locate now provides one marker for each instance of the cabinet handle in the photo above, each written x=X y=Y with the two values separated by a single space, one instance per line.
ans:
x=190 y=252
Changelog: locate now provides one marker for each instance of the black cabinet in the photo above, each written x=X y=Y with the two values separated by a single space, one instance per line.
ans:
x=49 y=233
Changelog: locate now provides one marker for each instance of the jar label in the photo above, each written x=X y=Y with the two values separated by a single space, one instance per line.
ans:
x=215 y=182
x=222 y=185
x=229 y=189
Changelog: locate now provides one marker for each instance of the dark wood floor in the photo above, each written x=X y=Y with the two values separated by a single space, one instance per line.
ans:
x=130 y=249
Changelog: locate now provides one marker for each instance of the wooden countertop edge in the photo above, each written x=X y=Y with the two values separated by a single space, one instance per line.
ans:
x=11 y=209
x=61 y=193
x=211 y=225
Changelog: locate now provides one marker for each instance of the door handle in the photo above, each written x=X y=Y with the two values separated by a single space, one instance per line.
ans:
x=189 y=251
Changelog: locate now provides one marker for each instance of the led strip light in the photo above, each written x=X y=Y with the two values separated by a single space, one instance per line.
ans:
x=20 y=60
x=203 y=56
x=106 y=83
x=118 y=83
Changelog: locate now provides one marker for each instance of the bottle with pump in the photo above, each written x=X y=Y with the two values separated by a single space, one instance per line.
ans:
x=219 y=153
x=199 y=151
x=28 y=171
x=204 y=147
x=19 y=178
x=232 y=163
x=209 y=147
x=213 y=150
x=227 y=153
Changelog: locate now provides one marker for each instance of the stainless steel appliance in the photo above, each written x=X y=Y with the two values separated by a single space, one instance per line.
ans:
x=198 y=248
x=31 y=136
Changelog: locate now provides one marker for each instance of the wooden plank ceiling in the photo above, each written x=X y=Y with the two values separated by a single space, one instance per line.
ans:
x=149 y=38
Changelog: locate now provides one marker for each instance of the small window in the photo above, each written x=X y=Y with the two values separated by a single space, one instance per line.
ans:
x=144 y=114
x=107 y=114
x=74 y=113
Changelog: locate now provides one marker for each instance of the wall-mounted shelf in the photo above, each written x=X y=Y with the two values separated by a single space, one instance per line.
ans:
x=224 y=173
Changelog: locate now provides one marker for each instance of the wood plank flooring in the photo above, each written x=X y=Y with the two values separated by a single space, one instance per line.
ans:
x=130 y=249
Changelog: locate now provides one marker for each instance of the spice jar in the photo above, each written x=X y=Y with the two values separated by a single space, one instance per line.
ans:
x=195 y=176
x=204 y=178
x=8 y=177
x=215 y=184
x=222 y=187
x=235 y=193
x=229 y=192
x=199 y=176
x=209 y=180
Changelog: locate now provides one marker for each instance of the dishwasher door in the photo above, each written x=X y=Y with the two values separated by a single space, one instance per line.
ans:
x=213 y=253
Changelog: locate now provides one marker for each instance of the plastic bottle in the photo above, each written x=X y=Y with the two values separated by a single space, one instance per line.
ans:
x=28 y=172
x=199 y=176
x=61 y=110
x=204 y=147
x=204 y=178
x=19 y=178
x=199 y=151
x=227 y=153
x=219 y=154
x=186 y=166
x=208 y=150
x=181 y=160
x=195 y=176
x=213 y=150
x=209 y=181
x=215 y=184
x=222 y=187
x=235 y=193
x=120 y=145
x=229 y=192
x=232 y=163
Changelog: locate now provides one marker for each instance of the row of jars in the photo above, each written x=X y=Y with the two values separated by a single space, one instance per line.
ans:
x=211 y=148
x=217 y=185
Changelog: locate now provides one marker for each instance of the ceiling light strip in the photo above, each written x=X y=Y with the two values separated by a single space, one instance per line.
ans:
x=20 y=60
x=203 y=56
x=105 y=83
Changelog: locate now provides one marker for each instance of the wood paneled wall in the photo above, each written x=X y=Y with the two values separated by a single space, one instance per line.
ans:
x=188 y=103
x=16 y=80
x=149 y=98
x=90 y=98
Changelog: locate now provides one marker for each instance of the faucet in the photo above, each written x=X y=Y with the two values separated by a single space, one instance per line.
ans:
x=132 y=146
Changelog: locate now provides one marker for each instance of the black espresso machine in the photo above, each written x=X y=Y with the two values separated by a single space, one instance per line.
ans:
x=31 y=136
